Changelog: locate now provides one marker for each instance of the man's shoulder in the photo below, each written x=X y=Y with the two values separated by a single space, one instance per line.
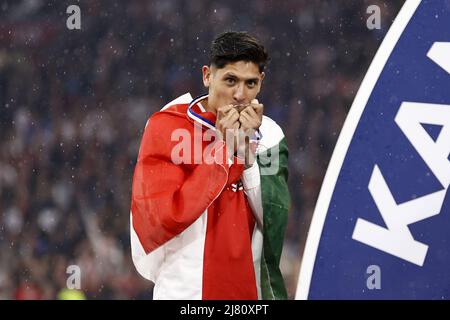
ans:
x=271 y=132
x=171 y=117
x=174 y=111
x=270 y=125
x=181 y=100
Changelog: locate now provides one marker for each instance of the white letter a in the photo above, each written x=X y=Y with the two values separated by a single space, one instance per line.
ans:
x=73 y=21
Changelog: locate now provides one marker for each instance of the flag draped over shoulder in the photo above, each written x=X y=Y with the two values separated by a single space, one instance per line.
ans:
x=193 y=231
x=276 y=202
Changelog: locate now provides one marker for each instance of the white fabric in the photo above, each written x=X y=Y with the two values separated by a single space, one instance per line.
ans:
x=271 y=132
x=251 y=180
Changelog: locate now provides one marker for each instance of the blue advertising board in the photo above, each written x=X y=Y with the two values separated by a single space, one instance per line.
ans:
x=381 y=227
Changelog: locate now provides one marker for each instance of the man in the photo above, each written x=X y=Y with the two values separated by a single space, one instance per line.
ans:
x=209 y=204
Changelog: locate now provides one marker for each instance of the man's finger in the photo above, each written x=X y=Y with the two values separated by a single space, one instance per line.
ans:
x=247 y=122
x=226 y=108
x=250 y=111
x=229 y=118
x=259 y=107
x=223 y=111
x=244 y=118
x=232 y=116
x=236 y=125
x=240 y=107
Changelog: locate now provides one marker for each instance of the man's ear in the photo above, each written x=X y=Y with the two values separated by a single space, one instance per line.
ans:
x=206 y=71
x=261 y=80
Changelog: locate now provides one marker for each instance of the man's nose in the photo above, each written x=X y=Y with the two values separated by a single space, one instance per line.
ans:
x=239 y=94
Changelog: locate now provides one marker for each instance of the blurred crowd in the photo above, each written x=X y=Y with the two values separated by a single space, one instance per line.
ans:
x=74 y=103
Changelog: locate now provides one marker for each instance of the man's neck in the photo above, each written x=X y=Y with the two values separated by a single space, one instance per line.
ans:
x=207 y=107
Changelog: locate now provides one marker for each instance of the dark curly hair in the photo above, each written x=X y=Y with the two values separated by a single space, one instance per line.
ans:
x=233 y=46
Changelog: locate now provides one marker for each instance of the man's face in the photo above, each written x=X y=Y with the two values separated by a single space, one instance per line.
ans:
x=236 y=83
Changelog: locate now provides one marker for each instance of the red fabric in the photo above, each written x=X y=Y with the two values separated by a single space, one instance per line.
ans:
x=228 y=271
x=167 y=198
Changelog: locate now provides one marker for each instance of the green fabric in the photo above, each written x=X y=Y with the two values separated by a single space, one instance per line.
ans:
x=276 y=201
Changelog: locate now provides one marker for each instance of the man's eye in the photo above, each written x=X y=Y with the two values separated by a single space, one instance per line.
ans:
x=230 y=81
x=251 y=84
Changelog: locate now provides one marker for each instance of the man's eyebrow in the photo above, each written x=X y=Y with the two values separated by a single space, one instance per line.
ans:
x=230 y=74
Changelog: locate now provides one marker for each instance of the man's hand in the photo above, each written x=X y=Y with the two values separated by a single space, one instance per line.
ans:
x=250 y=119
x=227 y=123
x=251 y=116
